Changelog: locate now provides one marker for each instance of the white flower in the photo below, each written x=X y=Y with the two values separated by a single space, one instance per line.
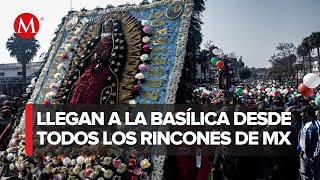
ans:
x=92 y=176
x=66 y=161
x=132 y=101
x=145 y=164
x=122 y=168
x=97 y=168
x=60 y=66
x=108 y=173
x=144 y=22
x=145 y=39
x=68 y=47
x=70 y=171
x=87 y=160
x=50 y=94
x=77 y=32
x=55 y=161
x=80 y=160
x=100 y=178
x=57 y=76
x=73 y=162
x=144 y=57
x=82 y=174
x=107 y=161
x=76 y=170
x=9 y=156
x=139 y=76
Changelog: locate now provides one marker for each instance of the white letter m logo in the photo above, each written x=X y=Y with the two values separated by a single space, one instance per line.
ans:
x=31 y=23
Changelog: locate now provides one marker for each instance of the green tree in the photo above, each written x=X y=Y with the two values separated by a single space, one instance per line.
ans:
x=245 y=73
x=283 y=60
x=302 y=52
x=306 y=44
x=277 y=72
x=24 y=50
x=315 y=43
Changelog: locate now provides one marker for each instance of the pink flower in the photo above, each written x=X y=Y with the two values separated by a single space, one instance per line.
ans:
x=13 y=143
x=137 y=171
x=16 y=134
x=147 y=29
x=75 y=39
x=54 y=85
x=142 y=67
x=116 y=163
x=88 y=172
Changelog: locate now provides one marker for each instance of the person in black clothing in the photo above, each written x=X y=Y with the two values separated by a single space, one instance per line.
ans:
x=283 y=159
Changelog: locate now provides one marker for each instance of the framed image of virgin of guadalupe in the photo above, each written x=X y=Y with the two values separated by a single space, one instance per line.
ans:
x=117 y=55
x=142 y=63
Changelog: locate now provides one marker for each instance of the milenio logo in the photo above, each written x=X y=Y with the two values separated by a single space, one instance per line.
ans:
x=26 y=25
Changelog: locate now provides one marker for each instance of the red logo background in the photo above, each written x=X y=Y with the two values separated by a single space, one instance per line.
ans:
x=26 y=18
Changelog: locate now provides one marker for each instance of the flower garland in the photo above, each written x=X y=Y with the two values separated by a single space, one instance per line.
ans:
x=144 y=58
x=78 y=167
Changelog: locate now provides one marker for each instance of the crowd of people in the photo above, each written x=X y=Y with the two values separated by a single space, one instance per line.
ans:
x=302 y=158
x=8 y=110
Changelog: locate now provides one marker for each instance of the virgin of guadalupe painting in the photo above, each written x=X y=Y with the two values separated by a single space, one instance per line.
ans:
x=88 y=87
x=104 y=64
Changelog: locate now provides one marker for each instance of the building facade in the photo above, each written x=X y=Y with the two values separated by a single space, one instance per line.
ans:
x=11 y=79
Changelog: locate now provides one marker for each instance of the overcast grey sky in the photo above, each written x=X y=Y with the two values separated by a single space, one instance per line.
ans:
x=250 y=28
x=253 y=28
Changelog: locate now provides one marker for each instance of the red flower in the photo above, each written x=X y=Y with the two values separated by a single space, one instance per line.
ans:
x=136 y=87
x=132 y=162
x=64 y=56
x=47 y=103
x=146 y=47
